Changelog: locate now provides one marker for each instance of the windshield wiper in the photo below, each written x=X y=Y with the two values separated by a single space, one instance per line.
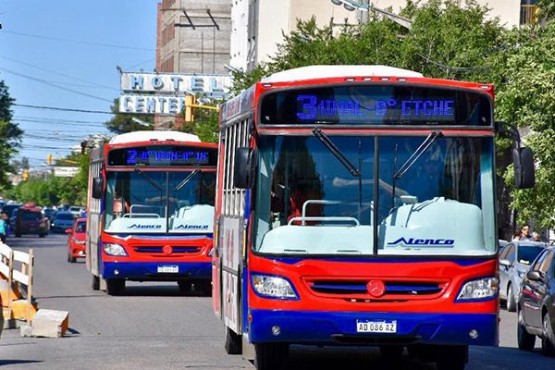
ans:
x=149 y=179
x=186 y=180
x=417 y=154
x=336 y=152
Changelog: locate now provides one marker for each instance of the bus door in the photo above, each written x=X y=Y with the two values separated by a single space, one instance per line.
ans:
x=231 y=245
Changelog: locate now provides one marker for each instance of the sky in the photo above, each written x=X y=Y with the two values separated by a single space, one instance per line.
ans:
x=60 y=59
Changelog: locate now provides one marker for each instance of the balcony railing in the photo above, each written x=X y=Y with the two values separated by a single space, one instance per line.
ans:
x=528 y=14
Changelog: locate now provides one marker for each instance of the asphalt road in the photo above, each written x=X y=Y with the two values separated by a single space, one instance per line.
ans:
x=153 y=326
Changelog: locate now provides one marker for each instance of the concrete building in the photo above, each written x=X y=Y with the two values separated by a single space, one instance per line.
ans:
x=258 y=25
x=193 y=36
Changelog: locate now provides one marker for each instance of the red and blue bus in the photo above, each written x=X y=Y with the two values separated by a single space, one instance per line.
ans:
x=151 y=210
x=356 y=205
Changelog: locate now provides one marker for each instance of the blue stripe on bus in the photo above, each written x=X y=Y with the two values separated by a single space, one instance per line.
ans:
x=381 y=259
x=329 y=328
x=146 y=270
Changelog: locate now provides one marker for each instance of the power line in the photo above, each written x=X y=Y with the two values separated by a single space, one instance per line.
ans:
x=59 y=74
x=53 y=122
x=78 y=41
x=54 y=85
x=62 y=109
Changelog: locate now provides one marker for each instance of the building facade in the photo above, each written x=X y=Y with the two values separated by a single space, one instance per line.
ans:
x=258 y=26
x=193 y=36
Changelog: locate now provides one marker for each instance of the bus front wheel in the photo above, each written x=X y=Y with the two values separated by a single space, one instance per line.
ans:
x=95 y=282
x=233 y=342
x=115 y=286
x=269 y=356
x=452 y=358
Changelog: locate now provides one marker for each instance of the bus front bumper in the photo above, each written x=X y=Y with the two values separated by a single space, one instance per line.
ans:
x=157 y=271
x=340 y=328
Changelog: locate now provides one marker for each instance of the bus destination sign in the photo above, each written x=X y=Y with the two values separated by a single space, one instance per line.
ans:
x=161 y=156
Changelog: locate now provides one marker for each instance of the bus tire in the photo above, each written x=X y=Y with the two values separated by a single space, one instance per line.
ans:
x=391 y=351
x=185 y=286
x=452 y=358
x=269 y=356
x=233 y=342
x=115 y=286
x=95 y=283
x=203 y=286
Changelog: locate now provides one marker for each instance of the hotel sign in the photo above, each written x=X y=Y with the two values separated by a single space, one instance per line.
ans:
x=164 y=93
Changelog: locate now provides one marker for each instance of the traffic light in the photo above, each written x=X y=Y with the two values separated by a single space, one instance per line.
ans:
x=49 y=159
x=189 y=103
x=25 y=175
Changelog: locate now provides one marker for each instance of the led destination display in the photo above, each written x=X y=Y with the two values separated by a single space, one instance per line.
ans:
x=376 y=105
x=162 y=156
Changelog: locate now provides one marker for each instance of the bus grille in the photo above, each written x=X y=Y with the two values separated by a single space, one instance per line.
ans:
x=158 y=249
x=356 y=290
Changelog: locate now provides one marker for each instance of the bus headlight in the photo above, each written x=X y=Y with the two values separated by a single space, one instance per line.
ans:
x=114 y=249
x=272 y=287
x=479 y=289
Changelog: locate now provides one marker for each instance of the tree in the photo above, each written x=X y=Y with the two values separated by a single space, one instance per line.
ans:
x=205 y=125
x=528 y=99
x=10 y=135
x=123 y=122
x=546 y=10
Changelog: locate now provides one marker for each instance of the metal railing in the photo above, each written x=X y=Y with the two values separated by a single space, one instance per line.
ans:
x=529 y=14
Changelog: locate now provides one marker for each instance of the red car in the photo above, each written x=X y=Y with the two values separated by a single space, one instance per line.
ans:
x=76 y=240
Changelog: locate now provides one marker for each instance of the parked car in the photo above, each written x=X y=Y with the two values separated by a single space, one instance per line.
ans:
x=76 y=210
x=49 y=212
x=62 y=220
x=536 y=305
x=502 y=244
x=514 y=261
x=76 y=240
x=29 y=219
x=8 y=208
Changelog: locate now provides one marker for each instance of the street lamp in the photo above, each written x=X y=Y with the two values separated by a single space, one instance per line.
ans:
x=352 y=5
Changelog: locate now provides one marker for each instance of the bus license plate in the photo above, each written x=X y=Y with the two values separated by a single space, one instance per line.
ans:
x=168 y=269
x=377 y=326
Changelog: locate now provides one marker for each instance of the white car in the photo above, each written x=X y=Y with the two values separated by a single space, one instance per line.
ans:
x=514 y=262
x=76 y=210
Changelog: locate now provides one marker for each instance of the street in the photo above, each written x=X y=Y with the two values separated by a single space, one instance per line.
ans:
x=153 y=326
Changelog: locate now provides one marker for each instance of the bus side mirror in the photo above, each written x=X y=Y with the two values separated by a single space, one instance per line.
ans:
x=97 y=186
x=245 y=168
x=523 y=159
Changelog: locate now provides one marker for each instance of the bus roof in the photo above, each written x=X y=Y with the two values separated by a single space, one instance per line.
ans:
x=327 y=71
x=138 y=136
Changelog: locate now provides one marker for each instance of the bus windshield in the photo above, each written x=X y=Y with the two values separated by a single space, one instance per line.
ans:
x=320 y=195
x=142 y=201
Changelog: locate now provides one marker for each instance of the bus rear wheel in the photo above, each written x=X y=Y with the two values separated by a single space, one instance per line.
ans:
x=269 y=356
